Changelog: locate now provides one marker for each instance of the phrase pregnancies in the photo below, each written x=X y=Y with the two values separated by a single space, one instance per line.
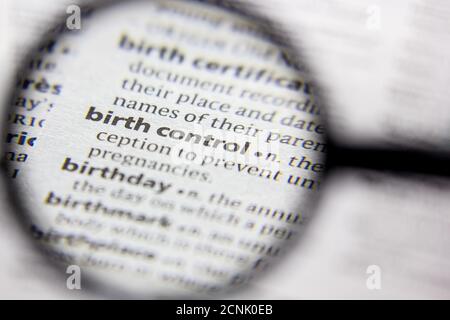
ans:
x=139 y=124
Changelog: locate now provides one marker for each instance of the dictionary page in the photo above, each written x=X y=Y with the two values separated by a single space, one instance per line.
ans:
x=383 y=65
x=358 y=39
x=24 y=271
x=375 y=63
x=375 y=236
x=23 y=23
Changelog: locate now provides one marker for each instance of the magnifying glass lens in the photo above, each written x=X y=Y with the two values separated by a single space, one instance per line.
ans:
x=164 y=147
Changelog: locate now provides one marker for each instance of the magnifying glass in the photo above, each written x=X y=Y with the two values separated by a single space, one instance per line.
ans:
x=165 y=148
